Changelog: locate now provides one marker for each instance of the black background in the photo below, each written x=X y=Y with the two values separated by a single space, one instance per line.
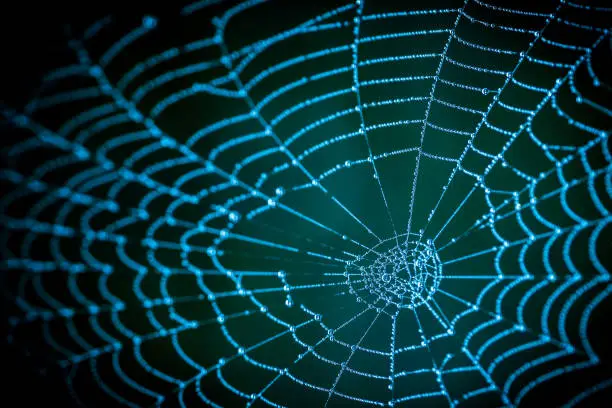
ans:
x=31 y=34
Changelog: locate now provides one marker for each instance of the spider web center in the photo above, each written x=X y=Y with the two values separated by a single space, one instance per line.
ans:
x=405 y=275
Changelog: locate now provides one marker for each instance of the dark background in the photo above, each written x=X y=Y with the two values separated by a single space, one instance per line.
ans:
x=31 y=34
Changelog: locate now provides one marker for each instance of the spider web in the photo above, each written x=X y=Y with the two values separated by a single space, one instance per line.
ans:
x=350 y=204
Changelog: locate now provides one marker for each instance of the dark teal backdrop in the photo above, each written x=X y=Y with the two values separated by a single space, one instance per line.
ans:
x=177 y=234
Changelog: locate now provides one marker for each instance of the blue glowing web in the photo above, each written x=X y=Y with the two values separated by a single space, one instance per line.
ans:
x=368 y=207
